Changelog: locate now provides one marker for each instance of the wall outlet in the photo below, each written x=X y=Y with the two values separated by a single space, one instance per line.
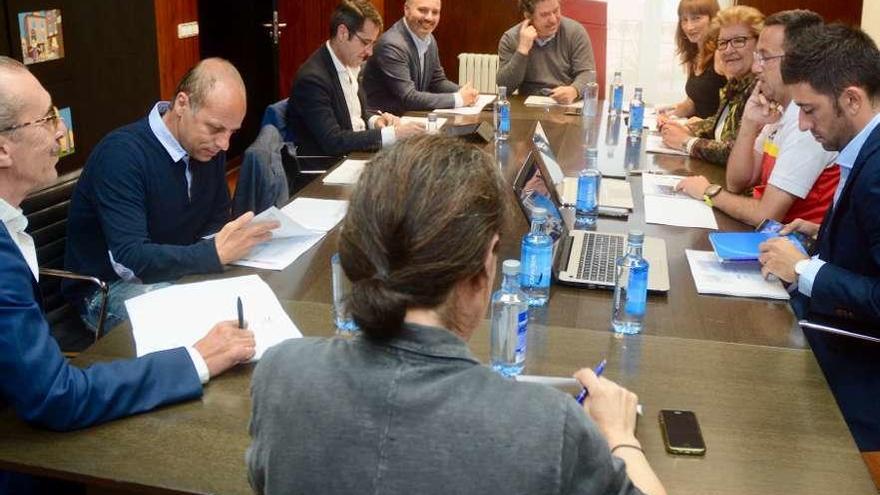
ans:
x=187 y=29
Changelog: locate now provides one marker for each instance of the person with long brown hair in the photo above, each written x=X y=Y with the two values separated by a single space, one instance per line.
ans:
x=697 y=55
x=406 y=407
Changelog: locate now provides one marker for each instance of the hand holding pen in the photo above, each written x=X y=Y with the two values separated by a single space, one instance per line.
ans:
x=611 y=406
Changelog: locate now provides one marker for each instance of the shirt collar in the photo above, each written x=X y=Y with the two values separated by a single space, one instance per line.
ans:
x=160 y=130
x=432 y=341
x=850 y=152
x=340 y=67
x=12 y=217
x=544 y=41
x=421 y=44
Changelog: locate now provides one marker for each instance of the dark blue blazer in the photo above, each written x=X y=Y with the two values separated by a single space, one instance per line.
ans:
x=846 y=293
x=44 y=389
x=318 y=115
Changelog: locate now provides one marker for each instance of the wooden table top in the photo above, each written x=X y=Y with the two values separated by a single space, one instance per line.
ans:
x=770 y=423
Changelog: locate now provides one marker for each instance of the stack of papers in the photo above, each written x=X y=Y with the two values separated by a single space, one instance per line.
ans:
x=181 y=315
x=665 y=206
x=654 y=144
x=347 y=173
x=308 y=220
x=546 y=101
x=475 y=109
x=711 y=276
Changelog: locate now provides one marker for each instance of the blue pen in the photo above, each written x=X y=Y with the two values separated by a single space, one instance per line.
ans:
x=584 y=393
x=240 y=314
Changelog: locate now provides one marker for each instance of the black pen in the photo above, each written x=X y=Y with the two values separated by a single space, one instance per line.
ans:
x=240 y=314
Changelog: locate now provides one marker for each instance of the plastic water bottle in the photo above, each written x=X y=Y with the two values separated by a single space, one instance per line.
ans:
x=502 y=115
x=589 y=179
x=630 y=287
x=431 y=127
x=617 y=93
x=510 y=318
x=537 y=260
x=636 y=114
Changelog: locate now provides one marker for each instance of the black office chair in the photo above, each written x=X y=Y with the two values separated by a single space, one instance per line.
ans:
x=46 y=211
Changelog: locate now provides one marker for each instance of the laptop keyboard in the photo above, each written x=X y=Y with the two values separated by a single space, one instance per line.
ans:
x=598 y=254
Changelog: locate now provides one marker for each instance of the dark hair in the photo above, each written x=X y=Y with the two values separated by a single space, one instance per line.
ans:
x=694 y=56
x=198 y=82
x=793 y=21
x=528 y=6
x=352 y=14
x=420 y=220
x=830 y=58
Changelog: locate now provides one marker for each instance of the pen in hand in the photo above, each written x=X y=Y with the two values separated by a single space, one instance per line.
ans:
x=240 y=314
x=584 y=392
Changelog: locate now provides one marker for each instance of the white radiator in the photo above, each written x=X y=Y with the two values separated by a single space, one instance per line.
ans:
x=480 y=70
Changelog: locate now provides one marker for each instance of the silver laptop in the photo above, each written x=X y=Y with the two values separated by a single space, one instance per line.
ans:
x=581 y=258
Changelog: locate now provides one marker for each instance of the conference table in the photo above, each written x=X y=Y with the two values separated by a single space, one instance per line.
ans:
x=770 y=423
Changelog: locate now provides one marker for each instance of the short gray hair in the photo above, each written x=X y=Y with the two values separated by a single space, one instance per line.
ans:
x=10 y=103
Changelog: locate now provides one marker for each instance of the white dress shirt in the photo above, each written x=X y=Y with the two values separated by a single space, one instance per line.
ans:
x=15 y=223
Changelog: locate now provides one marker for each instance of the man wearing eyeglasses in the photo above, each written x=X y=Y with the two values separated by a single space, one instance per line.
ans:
x=327 y=108
x=792 y=175
x=405 y=73
x=153 y=194
x=38 y=382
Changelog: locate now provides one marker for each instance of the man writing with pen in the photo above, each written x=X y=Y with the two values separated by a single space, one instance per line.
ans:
x=327 y=109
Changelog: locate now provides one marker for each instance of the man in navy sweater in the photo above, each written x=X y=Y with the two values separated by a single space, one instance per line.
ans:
x=38 y=382
x=154 y=192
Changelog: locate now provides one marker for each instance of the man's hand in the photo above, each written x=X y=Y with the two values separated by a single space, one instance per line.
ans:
x=238 y=237
x=674 y=135
x=778 y=257
x=760 y=110
x=386 y=119
x=564 y=94
x=800 y=225
x=527 y=35
x=694 y=186
x=611 y=406
x=225 y=346
x=468 y=94
x=406 y=129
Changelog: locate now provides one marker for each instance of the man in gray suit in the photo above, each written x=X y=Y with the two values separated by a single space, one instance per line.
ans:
x=405 y=73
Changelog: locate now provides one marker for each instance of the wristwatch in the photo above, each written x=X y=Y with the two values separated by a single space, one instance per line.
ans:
x=710 y=193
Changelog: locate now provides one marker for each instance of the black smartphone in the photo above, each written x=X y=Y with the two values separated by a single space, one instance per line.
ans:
x=681 y=432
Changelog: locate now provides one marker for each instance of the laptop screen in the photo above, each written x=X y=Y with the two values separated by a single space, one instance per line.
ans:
x=532 y=190
x=542 y=144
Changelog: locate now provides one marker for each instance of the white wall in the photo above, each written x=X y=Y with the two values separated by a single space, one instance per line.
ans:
x=871 y=18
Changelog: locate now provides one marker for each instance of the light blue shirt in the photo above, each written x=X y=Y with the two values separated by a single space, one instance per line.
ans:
x=542 y=42
x=846 y=159
x=168 y=141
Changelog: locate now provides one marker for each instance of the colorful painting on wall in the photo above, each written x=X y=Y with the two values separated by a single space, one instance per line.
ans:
x=41 y=36
x=67 y=144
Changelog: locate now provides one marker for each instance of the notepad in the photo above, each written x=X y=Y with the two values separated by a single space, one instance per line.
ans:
x=475 y=109
x=180 y=315
x=743 y=246
x=347 y=173
x=546 y=101
x=654 y=144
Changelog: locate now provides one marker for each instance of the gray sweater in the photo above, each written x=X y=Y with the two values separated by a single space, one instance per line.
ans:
x=567 y=60
x=417 y=414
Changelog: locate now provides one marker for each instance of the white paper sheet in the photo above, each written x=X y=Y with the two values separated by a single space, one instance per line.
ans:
x=423 y=121
x=731 y=279
x=546 y=101
x=664 y=185
x=654 y=144
x=347 y=173
x=181 y=315
x=616 y=193
x=317 y=215
x=289 y=227
x=475 y=109
x=679 y=212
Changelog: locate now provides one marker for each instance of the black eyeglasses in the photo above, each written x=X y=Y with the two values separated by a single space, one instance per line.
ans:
x=737 y=42
x=52 y=116
x=366 y=43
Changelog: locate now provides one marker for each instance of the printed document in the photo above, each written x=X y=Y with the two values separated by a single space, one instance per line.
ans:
x=316 y=215
x=289 y=227
x=475 y=109
x=180 y=315
x=546 y=101
x=711 y=276
x=666 y=206
x=347 y=173
x=654 y=144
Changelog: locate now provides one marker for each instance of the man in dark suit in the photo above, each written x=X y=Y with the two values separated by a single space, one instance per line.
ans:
x=38 y=382
x=834 y=75
x=327 y=109
x=405 y=73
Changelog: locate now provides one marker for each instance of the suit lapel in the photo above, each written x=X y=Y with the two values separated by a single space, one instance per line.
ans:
x=339 y=105
x=413 y=55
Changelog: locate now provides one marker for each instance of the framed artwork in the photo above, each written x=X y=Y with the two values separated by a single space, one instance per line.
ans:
x=67 y=143
x=42 y=38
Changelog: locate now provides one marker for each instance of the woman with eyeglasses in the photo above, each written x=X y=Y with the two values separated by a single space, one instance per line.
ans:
x=406 y=407
x=697 y=57
x=735 y=33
